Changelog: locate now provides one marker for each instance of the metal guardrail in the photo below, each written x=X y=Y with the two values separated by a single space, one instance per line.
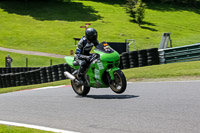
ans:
x=180 y=54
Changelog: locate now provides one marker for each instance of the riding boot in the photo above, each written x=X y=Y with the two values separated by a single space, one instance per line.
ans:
x=81 y=71
x=81 y=76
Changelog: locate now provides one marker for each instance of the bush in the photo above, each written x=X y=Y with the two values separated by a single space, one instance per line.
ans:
x=136 y=9
x=140 y=11
x=131 y=8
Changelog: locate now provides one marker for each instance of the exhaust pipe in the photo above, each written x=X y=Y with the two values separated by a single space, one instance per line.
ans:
x=69 y=75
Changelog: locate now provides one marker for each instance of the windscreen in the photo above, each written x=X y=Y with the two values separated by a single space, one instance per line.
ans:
x=104 y=47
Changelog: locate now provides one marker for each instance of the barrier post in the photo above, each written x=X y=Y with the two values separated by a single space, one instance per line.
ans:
x=26 y=62
x=51 y=62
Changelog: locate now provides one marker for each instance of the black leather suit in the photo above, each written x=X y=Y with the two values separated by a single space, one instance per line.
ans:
x=82 y=53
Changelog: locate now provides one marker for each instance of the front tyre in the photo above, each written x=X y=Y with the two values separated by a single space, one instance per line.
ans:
x=80 y=89
x=118 y=85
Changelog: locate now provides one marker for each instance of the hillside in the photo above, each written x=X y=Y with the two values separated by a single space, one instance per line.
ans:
x=51 y=26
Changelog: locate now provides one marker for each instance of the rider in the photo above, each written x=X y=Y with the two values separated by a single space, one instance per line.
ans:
x=82 y=54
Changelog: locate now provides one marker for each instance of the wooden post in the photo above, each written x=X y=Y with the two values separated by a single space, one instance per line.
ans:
x=51 y=62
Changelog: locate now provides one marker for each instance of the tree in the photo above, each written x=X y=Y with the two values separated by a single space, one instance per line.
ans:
x=131 y=8
x=136 y=9
x=140 y=11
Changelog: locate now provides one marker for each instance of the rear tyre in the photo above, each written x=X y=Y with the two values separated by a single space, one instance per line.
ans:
x=80 y=89
x=118 y=85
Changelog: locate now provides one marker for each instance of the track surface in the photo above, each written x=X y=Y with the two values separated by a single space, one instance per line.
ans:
x=164 y=107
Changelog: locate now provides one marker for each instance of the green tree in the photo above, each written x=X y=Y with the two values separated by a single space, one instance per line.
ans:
x=136 y=10
x=131 y=8
x=140 y=11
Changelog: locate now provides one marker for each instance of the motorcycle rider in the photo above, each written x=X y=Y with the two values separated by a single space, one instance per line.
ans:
x=82 y=54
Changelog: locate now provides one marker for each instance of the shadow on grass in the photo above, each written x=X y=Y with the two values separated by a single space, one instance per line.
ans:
x=148 y=23
x=148 y=28
x=51 y=10
x=144 y=23
x=172 y=7
x=111 y=2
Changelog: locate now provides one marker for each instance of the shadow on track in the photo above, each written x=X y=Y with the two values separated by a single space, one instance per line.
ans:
x=111 y=96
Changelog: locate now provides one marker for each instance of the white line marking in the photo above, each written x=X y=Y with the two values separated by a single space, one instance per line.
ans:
x=45 y=88
x=35 y=127
x=50 y=87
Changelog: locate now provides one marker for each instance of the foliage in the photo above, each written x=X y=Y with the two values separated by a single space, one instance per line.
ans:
x=131 y=8
x=136 y=9
x=140 y=11
x=178 y=2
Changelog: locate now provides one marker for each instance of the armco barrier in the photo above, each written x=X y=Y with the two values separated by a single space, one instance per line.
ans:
x=180 y=54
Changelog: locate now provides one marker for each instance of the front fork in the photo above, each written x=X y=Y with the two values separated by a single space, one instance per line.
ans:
x=111 y=72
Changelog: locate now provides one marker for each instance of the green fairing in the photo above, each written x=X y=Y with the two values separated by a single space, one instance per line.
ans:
x=96 y=74
x=69 y=60
x=108 y=56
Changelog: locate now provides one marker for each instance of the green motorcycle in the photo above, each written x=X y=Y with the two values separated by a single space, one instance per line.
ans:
x=103 y=71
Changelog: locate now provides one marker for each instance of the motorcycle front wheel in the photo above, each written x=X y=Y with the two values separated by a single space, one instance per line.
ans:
x=81 y=90
x=118 y=85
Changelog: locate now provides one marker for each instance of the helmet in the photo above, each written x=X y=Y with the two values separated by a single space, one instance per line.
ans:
x=91 y=35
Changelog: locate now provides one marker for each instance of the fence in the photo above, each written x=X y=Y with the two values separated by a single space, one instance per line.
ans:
x=180 y=54
x=27 y=62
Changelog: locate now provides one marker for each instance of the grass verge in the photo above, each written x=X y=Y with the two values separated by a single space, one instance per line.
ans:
x=174 y=70
x=13 y=129
x=12 y=89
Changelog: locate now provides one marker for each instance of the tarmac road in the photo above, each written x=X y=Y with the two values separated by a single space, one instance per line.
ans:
x=151 y=107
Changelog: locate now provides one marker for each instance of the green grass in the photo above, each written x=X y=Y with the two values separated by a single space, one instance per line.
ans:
x=51 y=26
x=19 y=60
x=13 y=129
x=19 y=88
x=184 y=69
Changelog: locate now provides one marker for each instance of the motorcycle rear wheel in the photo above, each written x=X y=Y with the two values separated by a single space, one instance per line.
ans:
x=81 y=90
x=118 y=85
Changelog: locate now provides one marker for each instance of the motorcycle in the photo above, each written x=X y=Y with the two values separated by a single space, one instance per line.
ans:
x=103 y=71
